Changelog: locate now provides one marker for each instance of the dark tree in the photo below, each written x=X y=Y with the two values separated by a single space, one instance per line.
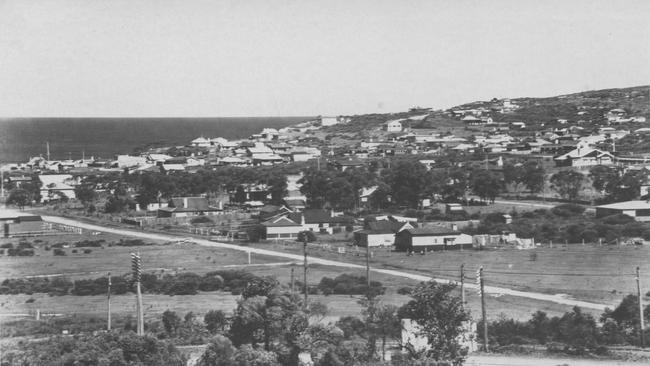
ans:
x=567 y=183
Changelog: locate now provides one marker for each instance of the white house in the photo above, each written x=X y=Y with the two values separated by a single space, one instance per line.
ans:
x=583 y=156
x=394 y=126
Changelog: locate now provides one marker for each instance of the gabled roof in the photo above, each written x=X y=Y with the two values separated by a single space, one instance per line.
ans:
x=280 y=221
x=628 y=205
x=431 y=231
x=582 y=153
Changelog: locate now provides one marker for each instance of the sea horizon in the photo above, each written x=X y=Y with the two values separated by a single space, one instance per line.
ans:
x=104 y=137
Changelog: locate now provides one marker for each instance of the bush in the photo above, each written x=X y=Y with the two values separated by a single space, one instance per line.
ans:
x=306 y=235
x=406 y=290
x=617 y=219
x=88 y=251
x=201 y=220
x=347 y=284
x=568 y=210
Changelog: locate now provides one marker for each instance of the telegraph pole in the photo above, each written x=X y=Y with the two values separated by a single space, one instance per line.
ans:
x=136 y=263
x=304 y=249
x=292 y=279
x=108 y=296
x=480 y=280
x=638 y=292
x=368 y=270
x=462 y=285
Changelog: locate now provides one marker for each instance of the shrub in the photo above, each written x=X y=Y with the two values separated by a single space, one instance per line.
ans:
x=406 y=290
x=306 y=235
x=617 y=219
x=347 y=284
x=88 y=251
x=201 y=220
x=567 y=210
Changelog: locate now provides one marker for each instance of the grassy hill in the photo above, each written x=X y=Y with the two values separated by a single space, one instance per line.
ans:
x=585 y=108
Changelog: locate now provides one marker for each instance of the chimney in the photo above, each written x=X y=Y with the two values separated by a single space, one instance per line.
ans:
x=185 y=202
x=454 y=227
x=331 y=212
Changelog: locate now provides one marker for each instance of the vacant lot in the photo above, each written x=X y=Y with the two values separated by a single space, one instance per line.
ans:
x=602 y=274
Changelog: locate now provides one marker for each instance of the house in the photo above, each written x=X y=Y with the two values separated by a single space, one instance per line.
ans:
x=380 y=233
x=584 y=156
x=55 y=185
x=431 y=238
x=394 y=126
x=342 y=165
x=281 y=228
x=319 y=220
x=639 y=209
x=473 y=121
x=187 y=206
x=200 y=142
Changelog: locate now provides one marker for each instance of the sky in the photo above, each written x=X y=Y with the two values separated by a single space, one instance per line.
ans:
x=220 y=58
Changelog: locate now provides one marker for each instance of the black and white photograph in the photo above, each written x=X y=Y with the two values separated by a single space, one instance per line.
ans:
x=324 y=183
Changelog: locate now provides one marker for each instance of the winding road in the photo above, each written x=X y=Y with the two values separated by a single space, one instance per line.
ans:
x=558 y=298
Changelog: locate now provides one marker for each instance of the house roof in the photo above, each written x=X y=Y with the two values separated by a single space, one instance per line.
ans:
x=430 y=231
x=628 y=205
x=280 y=221
x=581 y=153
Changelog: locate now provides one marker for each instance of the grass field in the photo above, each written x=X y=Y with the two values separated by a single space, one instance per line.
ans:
x=595 y=273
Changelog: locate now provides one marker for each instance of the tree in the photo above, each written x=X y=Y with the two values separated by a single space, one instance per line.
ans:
x=219 y=352
x=112 y=348
x=601 y=177
x=485 y=184
x=19 y=197
x=439 y=316
x=85 y=193
x=315 y=185
x=533 y=177
x=386 y=325
x=275 y=321
x=567 y=183
x=215 y=321
x=407 y=180
x=171 y=321
x=277 y=184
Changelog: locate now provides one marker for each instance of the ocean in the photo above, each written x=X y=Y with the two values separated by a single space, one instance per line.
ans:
x=22 y=138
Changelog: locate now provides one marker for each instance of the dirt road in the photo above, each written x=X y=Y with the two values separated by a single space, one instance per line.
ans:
x=490 y=290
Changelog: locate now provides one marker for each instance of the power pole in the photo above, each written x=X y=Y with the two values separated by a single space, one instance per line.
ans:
x=462 y=285
x=108 y=296
x=480 y=280
x=304 y=249
x=136 y=263
x=368 y=270
x=638 y=293
x=292 y=280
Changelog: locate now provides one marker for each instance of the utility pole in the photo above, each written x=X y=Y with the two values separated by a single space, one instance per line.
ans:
x=638 y=293
x=136 y=263
x=108 y=296
x=462 y=285
x=368 y=270
x=480 y=280
x=304 y=249
x=292 y=279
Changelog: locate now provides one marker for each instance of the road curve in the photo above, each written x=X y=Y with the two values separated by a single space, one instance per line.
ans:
x=558 y=299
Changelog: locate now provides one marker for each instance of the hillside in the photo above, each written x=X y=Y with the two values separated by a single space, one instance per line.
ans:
x=585 y=108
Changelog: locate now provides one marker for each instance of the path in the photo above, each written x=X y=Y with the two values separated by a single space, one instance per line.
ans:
x=558 y=298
